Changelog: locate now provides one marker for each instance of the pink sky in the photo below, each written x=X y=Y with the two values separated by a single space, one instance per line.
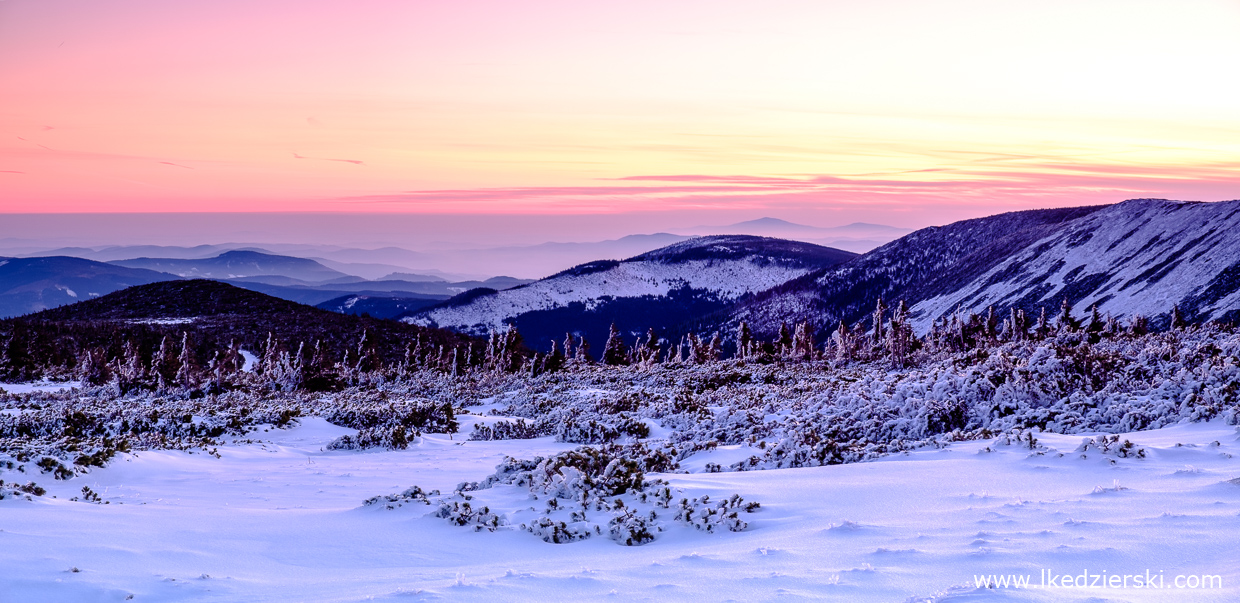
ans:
x=825 y=112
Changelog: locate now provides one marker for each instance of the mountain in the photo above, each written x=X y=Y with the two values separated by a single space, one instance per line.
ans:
x=216 y=314
x=33 y=284
x=857 y=237
x=128 y=252
x=658 y=289
x=377 y=306
x=413 y=278
x=238 y=264
x=1140 y=256
x=316 y=294
x=537 y=261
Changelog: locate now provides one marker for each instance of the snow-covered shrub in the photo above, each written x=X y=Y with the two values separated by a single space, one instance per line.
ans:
x=559 y=532
x=631 y=528
x=511 y=430
x=13 y=490
x=704 y=515
x=412 y=495
x=464 y=514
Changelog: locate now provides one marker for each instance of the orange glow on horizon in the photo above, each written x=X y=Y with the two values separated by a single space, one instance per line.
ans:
x=575 y=108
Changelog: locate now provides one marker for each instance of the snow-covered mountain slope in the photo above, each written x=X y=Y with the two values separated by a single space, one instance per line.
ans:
x=653 y=289
x=929 y=262
x=1136 y=257
x=377 y=306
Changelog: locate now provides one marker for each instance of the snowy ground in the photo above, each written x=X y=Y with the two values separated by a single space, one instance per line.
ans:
x=38 y=386
x=283 y=521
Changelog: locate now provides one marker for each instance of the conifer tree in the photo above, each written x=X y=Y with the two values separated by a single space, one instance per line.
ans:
x=783 y=345
x=583 y=352
x=1096 y=324
x=615 y=352
x=744 y=338
x=1066 y=322
x=554 y=360
x=163 y=366
x=187 y=369
x=650 y=350
x=1177 y=320
x=1043 y=327
x=990 y=326
x=900 y=337
x=843 y=340
x=714 y=349
x=879 y=317
x=803 y=341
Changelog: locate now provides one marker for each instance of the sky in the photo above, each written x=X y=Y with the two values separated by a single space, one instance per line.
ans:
x=604 y=116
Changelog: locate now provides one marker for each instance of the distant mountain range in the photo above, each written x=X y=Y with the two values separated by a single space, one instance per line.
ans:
x=1137 y=257
x=462 y=263
x=238 y=264
x=657 y=289
x=33 y=284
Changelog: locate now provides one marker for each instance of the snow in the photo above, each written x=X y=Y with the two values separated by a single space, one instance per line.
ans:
x=727 y=278
x=1013 y=458
x=163 y=321
x=1150 y=255
x=250 y=361
x=282 y=520
x=38 y=386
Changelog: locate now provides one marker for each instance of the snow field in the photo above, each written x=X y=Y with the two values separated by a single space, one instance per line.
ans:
x=283 y=521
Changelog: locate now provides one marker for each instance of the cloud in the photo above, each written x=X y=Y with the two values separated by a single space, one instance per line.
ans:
x=353 y=161
x=999 y=187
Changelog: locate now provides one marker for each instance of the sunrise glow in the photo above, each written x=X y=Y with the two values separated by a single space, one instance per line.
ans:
x=916 y=109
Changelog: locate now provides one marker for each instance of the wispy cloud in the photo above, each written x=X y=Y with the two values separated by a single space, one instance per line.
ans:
x=1028 y=185
x=353 y=161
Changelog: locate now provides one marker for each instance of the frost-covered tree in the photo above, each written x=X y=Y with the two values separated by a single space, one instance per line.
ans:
x=1177 y=320
x=583 y=352
x=163 y=365
x=1067 y=323
x=650 y=350
x=1043 y=327
x=783 y=345
x=615 y=353
x=187 y=374
x=844 y=343
x=744 y=339
x=900 y=337
x=554 y=361
x=803 y=341
x=877 y=335
x=93 y=371
x=714 y=348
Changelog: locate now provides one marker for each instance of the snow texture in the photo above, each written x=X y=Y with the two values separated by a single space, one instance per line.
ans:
x=728 y=268
x=1137 y=257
